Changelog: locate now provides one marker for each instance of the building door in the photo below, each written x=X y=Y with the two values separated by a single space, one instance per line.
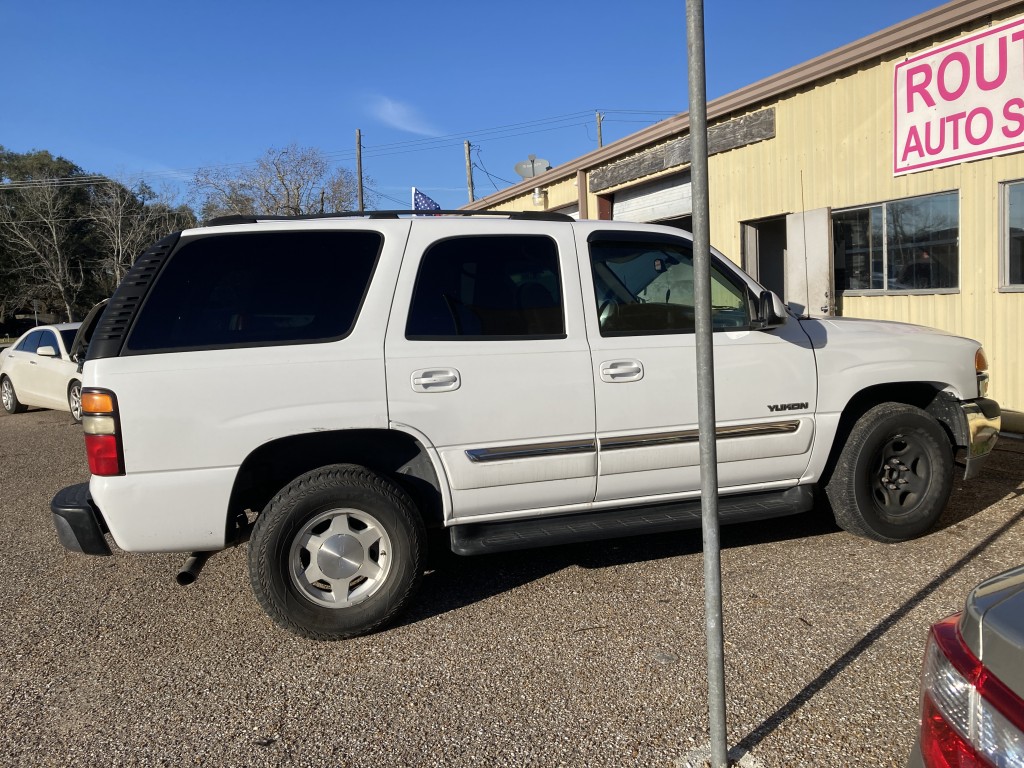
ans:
x=657 y=201
x=809 y=282
x=764 y=253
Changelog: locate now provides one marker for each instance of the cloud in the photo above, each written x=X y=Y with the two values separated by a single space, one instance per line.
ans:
x=401 y=116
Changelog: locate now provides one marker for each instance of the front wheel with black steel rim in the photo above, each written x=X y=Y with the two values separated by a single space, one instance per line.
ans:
x=894 y=475
x=75 y=400
x=337 y=553
x=9 y=397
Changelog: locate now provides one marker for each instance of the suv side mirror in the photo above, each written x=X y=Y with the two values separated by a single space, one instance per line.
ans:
x=771 y=312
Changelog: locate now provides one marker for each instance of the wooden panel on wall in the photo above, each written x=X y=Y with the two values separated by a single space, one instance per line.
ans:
x=739 y=132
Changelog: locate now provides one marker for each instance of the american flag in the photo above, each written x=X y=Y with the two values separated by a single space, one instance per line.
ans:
x=421 y=202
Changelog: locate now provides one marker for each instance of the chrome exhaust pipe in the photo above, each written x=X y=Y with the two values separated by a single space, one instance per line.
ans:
x=190 y=570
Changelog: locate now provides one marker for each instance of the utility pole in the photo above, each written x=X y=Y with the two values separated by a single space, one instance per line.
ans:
x=359 y=169
x=706 y=421
x=600 y=141
x=469 y=173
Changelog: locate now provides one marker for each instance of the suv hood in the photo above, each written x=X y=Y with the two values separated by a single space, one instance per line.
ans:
x=854 y=353
x=855 y=325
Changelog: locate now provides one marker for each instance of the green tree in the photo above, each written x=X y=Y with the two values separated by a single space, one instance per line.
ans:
x=43 y=200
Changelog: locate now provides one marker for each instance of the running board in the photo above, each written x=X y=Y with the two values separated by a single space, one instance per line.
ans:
x=482 y=538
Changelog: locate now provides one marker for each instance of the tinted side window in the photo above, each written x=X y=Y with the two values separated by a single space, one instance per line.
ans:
x=257 y=289
x=645 y=288
x=68 y=337
x=486 y=287
x=31 y=342
x=49 y=339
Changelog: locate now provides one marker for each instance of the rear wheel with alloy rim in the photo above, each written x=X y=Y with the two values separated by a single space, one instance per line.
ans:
x=8 y=396
x=337 y=553
x=75 y=400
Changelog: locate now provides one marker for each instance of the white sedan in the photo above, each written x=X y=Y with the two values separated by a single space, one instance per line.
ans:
x=38 y=370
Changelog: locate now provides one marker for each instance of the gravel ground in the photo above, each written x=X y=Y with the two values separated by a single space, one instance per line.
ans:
x=574 y=656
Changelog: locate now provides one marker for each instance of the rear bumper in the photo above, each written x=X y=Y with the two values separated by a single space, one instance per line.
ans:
x=915 y=760
x=79 y=523
x=983 y=419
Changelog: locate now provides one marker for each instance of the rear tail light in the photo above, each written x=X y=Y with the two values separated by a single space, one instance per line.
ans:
x=968 y=717
x=102 y=429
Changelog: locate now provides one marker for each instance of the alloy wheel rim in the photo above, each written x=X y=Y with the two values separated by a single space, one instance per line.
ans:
x=339 y=558
x=76 y=402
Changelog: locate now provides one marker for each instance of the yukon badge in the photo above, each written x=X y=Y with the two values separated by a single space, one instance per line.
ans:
x=788 y=407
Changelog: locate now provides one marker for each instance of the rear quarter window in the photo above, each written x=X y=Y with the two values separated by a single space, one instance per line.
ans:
x=257 y=289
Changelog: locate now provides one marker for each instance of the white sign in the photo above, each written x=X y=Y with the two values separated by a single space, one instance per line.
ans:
x=960 y=101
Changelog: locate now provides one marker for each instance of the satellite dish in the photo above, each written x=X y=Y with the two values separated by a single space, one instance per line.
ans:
x=533 y=165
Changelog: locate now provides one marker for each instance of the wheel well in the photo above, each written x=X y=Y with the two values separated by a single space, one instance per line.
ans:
x=924 y=395
x=272 y=466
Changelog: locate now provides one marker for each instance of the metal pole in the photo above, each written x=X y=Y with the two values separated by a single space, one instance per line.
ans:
x=706 y=382
x=469 y=173
x=359 y=169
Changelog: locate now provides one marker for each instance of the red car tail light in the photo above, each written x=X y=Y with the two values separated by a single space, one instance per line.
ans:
x=102 y=429
x=968 y=717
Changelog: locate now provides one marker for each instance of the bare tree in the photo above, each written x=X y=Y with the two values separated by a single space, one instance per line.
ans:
x=284 y=182
x=125 y=222
x=43 y=237
x=120 y=228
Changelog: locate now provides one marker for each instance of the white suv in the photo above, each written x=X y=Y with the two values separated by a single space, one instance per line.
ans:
x=332 y=387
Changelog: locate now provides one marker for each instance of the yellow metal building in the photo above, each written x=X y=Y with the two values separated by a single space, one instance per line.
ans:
x=825 y=188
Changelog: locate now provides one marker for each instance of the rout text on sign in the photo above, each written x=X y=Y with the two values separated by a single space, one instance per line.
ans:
x=960 y=101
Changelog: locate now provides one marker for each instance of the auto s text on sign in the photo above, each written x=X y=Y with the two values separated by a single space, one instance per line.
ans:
x=960 y=101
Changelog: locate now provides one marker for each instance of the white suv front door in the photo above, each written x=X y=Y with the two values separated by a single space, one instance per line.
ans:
x=489 y=363
x=641 y=324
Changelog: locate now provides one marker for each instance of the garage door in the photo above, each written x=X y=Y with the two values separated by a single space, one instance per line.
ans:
x=667 y=198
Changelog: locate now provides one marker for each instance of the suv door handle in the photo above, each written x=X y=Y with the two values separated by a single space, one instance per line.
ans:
x=436 y=380
x=618 y=371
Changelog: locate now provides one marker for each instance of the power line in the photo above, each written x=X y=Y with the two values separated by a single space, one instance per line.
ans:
x=430 y=143
x=64 y=181
x=386 y=197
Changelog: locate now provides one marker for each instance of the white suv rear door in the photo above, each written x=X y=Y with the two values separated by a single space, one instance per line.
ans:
x=487 y=360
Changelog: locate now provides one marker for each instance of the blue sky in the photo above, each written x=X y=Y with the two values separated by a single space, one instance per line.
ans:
x=156 y=90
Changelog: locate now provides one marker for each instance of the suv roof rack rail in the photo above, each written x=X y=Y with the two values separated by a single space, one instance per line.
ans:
x=220 y=221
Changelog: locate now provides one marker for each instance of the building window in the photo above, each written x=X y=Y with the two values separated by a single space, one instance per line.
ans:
x=899 y=246
x=1013 y=250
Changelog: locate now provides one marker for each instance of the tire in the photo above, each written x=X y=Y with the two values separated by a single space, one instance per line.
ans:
x=337 y=553
x=9 y=397
x=894 y=474
x=75 y=400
